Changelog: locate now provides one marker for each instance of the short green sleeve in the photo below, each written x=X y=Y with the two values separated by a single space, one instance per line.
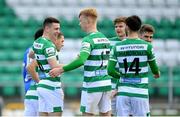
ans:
x=49 y=51
x=112 y=56
x=86 y=46
x=150 y=53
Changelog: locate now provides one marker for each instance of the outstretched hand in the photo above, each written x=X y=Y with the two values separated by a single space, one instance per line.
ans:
x=157 y=75
x=56 y=72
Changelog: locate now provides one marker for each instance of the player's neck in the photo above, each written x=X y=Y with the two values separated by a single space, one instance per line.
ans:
x=46 y=36
x=92 y=30
x=133 y=35
x=122 y=36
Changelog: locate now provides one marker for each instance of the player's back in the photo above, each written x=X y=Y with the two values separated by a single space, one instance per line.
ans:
x=100 y=48
x=95 y=67
x=133 y=56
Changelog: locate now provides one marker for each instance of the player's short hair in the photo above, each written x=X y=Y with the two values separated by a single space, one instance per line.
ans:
x=133 y=22
x=92 y=12
x=59 y=35
x=38 y=33
x=50 y=20
x=119 y=19
x=146 y=28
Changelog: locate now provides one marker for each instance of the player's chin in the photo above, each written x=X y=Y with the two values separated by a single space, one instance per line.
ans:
x=56 y=35
x=119 y=34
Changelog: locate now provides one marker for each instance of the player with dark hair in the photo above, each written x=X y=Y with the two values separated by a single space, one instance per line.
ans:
x=133 y=56
x=50 y=94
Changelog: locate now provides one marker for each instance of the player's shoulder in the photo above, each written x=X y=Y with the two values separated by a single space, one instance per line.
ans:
x=134 y=41
x=124 y=41
x=42 y=42
x=86 y=39
x=144 y=43
x=114 y=38
x=97 y=35
x=94 y=35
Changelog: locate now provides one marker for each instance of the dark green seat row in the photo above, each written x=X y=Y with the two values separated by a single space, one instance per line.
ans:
x=21 y=33
x=15 y=44
x=9 y=21
x=14 y=27
x=164 y=23
x=11 y=55
x=10 y=91
x=10 y=69
x=16 y=32
x=163 y=91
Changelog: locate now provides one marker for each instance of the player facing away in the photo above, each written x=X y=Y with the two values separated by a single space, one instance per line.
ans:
x=94 y=55
x=31 y=98
x=50 y=94
x=133 y=56
x=146 y=32
x=120 y=29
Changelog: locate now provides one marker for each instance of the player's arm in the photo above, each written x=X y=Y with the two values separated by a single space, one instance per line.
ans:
x=79 y=61
x=50 y=54
x=111 y=68
x=154 y=68
x=31 y=68
x=54 y=63
x=52 y=60
x=152 y=62
x=31 y=54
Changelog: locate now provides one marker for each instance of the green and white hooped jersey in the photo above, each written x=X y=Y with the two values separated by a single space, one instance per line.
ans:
x=133 y=56
x=44 y=49
x=96 y=78
x=32 y=93
x=113 y=42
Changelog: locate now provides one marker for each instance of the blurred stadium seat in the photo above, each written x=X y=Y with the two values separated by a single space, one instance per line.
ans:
x=172 y=45
x=158 y=3
x=159 y=45
x=174 y=3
